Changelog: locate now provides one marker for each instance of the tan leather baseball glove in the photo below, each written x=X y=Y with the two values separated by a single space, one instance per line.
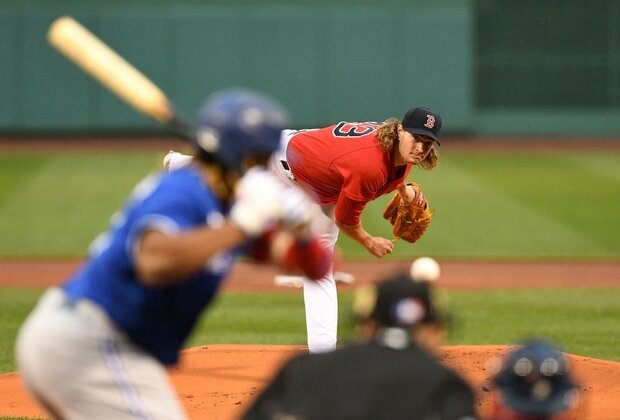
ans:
x=408 y=212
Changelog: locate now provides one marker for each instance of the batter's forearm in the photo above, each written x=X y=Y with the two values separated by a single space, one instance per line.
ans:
x=163 y=258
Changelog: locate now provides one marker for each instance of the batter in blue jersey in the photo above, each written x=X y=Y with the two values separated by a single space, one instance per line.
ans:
x=97 y=346
x=157 y=318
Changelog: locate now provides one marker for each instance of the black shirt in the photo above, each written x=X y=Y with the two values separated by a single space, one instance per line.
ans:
x=365 y=381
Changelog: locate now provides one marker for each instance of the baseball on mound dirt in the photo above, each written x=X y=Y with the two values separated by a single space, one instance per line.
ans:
x=425 y=269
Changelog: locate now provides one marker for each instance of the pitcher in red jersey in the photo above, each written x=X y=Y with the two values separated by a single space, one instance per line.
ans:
x=343 y=167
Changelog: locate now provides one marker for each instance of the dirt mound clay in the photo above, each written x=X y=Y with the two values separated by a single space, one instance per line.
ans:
x=470 y=275
x=219 y=381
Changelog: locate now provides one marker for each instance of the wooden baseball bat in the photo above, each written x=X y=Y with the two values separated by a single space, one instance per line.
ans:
x=97 y=59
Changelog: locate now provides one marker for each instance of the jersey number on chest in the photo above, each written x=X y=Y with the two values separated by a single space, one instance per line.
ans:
x=350 y=129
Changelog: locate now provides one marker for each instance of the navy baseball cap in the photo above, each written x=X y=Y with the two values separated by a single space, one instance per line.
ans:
x=423 y=121
x=534 y=379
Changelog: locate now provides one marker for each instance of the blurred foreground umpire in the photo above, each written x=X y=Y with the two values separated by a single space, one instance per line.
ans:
x=391 y=374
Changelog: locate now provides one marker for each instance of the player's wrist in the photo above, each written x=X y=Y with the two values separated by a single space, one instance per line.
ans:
x=367 y=241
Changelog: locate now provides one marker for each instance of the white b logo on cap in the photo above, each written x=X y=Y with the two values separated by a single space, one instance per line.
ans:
x=430 y=121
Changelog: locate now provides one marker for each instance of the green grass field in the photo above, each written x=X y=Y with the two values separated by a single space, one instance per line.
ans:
x=584 y=321
x=509 y=205
x=518 y=206
x=53 y=205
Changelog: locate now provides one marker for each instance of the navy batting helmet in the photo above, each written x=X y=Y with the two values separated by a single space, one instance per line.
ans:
x=236 y=123
x=534 y=380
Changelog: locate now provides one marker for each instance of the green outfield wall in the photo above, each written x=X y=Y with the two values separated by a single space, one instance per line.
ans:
x=489 y=66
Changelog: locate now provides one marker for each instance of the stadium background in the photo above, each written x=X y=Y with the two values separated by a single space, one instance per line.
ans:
x=530 y=169
x=490 y=66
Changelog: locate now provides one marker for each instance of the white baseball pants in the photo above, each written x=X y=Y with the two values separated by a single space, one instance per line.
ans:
x=80 y=366
x=320 y=296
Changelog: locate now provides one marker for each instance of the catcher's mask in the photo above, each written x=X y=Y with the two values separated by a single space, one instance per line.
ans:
x=397 y=301
x=236 y=123
x=534 y=383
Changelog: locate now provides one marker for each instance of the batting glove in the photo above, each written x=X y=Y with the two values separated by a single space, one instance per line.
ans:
x=295 y=208
x=257 y=201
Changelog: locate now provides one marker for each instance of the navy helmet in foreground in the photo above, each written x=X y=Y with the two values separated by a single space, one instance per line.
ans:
x=236 y=123
x=534 y=380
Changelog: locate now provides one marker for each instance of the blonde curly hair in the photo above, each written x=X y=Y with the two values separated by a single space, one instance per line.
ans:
x=388 y=135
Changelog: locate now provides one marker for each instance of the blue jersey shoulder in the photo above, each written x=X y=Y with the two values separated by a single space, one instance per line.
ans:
x=158 y=319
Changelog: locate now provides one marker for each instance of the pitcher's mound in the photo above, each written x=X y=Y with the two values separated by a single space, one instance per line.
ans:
x=220 y=381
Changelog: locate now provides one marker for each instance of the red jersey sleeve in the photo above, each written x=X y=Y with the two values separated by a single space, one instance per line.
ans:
x=348 y=211
x=364 y=176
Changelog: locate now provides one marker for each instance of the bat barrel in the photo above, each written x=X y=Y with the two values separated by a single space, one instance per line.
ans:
x=110 y=69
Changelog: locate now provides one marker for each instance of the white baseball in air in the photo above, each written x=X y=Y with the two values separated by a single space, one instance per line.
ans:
x=424 y=269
